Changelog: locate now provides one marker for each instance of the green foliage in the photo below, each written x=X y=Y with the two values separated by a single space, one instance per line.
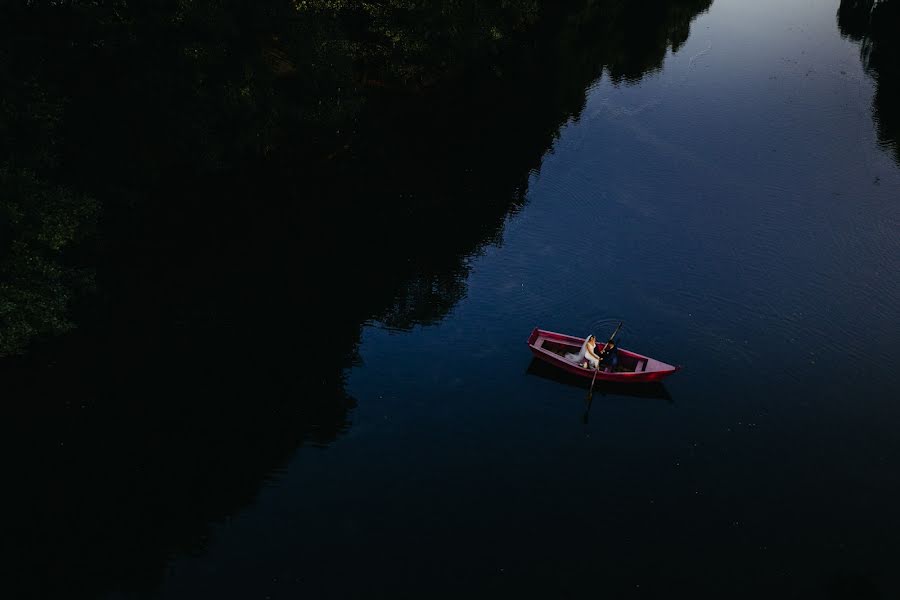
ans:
x=38 y=221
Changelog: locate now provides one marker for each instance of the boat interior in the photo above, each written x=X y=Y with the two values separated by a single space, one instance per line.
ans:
x=627 y=362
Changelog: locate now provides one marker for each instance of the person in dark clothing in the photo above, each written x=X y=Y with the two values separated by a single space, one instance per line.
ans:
x=609 y=357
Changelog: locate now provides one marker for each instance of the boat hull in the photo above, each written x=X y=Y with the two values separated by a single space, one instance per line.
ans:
x=550 y=346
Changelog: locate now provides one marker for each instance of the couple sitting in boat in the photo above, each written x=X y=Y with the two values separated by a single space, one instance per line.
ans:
x=588 y=354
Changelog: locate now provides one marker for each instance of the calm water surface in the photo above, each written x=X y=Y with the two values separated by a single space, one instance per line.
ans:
x=736 y=208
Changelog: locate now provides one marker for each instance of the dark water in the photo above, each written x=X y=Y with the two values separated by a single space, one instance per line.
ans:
x=280 y=358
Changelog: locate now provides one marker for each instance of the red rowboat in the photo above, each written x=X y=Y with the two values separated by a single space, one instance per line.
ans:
x=633 y=367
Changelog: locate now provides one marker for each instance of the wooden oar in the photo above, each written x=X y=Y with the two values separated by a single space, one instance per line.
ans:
x=591 y=392
x=587 y=409
x=608 y=342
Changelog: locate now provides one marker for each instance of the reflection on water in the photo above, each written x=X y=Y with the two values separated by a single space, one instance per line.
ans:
x=875 y=26
x=246 y=187
x=598 y=389
x=258 y=207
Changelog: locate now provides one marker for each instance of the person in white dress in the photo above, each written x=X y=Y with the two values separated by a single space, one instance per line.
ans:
x=587 y=355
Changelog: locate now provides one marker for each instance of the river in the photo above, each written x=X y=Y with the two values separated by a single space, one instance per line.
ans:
x=323 y=389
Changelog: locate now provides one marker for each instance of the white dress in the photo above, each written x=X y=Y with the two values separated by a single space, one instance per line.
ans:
x=582 y=355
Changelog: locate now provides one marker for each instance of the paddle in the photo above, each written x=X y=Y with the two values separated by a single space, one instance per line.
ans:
x=587 y=409
x=590 y=393
x=608 y=342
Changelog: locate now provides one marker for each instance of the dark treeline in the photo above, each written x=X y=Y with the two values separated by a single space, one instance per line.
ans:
x=144 y=108
x=875 y=25
x=202 y=203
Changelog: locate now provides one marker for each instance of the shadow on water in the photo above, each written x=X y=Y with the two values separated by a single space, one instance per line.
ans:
x=874 y=26
x=198 y=219
x=652 y=390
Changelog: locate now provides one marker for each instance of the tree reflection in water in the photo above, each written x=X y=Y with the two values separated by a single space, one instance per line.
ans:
x=270 y=179
x=875 y=26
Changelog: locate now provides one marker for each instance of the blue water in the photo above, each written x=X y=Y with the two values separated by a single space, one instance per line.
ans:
x=735 y=209
x=293 y=381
